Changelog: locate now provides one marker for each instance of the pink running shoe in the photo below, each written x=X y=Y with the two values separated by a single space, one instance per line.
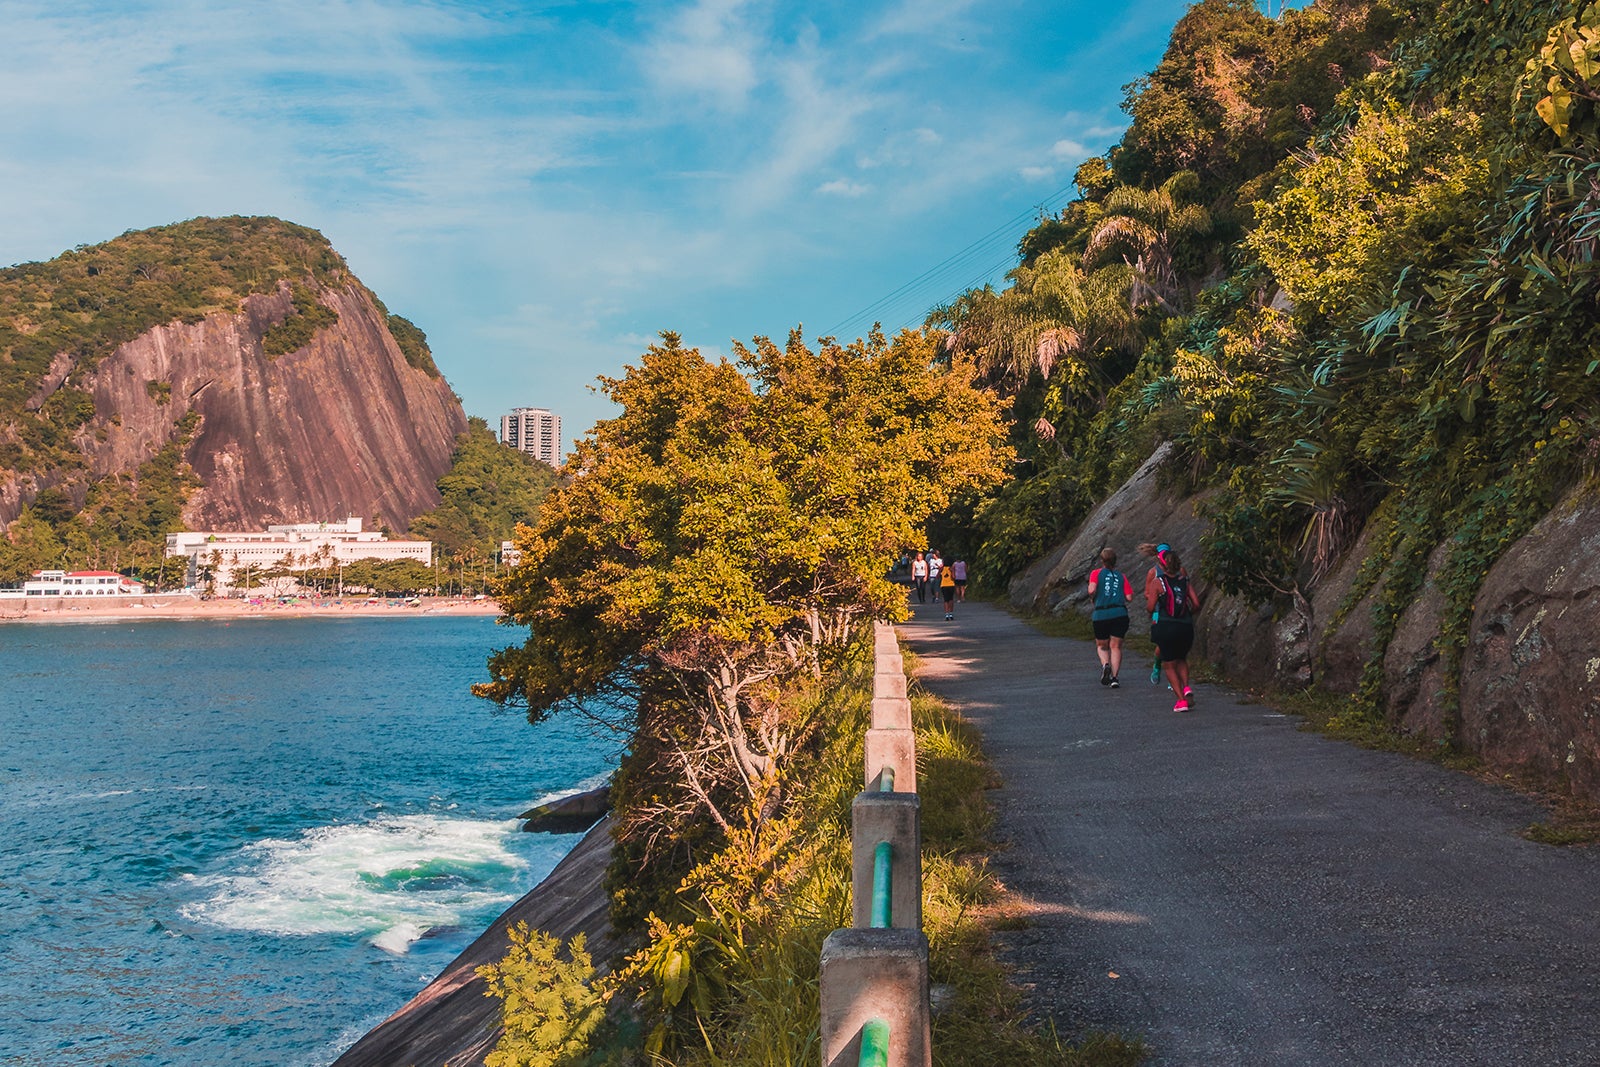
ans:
x=1188 y=695
x=1181 y=705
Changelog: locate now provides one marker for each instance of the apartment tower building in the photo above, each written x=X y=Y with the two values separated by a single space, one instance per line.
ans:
x=535 y=431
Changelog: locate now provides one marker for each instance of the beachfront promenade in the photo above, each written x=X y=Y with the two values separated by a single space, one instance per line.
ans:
x=1239 y=892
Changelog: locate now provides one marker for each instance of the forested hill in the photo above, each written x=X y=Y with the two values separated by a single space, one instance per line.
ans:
x=1343 y=263
x=215 y=372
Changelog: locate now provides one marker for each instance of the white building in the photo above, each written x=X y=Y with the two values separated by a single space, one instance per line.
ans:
x=297 y=547
x=76 y=583
x=510 y=554
x=535 y=431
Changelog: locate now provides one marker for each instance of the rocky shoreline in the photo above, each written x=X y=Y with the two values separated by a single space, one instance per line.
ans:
x=452 y=1022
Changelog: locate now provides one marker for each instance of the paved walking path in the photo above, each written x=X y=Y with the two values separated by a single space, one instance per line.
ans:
x=1264 y=896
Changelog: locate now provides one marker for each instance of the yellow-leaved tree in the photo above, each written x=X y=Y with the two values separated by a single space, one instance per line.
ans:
x=727 y=532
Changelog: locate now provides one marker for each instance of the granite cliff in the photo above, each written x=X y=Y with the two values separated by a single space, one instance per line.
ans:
x=286 y=388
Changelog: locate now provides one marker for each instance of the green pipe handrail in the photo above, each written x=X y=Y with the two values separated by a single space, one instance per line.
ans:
x=874 y=1044
x=882 y=866
x=886 y=780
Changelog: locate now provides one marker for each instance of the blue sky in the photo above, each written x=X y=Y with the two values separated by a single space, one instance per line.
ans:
x=542 y=187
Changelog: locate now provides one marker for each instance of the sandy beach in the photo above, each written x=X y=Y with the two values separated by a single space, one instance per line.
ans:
x=179 y=606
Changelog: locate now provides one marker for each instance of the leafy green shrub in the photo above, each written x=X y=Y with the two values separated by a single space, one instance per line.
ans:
x=297 y=330
x=549 y=1009
x=413 y=344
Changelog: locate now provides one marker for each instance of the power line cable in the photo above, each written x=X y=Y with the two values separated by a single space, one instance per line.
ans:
x=915 y=317
x=931 y=279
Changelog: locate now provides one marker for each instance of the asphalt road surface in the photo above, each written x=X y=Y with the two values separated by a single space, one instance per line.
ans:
x=1238 y=892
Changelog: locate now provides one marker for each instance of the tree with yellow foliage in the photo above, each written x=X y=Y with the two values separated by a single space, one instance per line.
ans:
x=727 y=533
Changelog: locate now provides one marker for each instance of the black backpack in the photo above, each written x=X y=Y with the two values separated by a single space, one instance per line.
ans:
x=1173 y=601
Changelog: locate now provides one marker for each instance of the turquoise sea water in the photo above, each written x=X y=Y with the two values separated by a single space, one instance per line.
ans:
x=248 y=842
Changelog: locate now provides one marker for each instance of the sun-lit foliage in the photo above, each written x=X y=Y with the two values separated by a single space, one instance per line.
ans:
x=728 y=532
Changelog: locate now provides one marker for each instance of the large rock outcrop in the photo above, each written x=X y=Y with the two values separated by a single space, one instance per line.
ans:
x=1529 y=681
x=342 y=426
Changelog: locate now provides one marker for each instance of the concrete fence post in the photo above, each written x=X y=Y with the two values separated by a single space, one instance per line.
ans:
x=889 y=684
x=875 y=974
x=895 y=749
x=897 y=819
x=891 y=713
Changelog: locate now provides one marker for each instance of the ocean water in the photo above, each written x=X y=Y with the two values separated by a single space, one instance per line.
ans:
x=249 y=842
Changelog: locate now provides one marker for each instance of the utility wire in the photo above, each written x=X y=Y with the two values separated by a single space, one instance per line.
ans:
x=935 y=280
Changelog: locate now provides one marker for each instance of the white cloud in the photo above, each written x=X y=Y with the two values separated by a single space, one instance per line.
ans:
x=943 y=22
x=706 y=50
x=840 y=187
x=1068 y=149
x=904 y=149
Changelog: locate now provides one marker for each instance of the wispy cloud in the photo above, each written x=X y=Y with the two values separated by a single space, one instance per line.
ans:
x=708 y=50
x=840 y=187
x=540 y=184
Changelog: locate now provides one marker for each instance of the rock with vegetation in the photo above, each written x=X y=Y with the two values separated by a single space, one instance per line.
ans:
x=455 y=1020
x=1530 y=681
x=216 y=373
x=1342 y=267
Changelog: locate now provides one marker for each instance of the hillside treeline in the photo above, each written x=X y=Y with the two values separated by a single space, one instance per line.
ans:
x=1343 y=260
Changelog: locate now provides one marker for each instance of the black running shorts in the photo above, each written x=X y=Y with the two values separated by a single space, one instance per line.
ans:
x=1173 y=639
x=1108 y=628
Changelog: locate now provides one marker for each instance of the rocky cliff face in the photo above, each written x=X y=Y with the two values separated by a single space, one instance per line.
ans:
x=343 y=426
x=1529 y=685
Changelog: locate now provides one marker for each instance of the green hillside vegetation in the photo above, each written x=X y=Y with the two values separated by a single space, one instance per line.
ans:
x=86 y=302
x=1344 y=262
x=122 y=525
x=412 y=341
x=489 y=490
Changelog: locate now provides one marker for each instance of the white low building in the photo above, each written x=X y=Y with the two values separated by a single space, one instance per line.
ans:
x=76 y=584
x=296 y=547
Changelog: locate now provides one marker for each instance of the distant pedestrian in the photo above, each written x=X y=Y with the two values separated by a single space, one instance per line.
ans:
x=919 y=578
x=1172 y=603
x=935 y=566
x=959 y=569
x=947 y=587
x=1112 y=594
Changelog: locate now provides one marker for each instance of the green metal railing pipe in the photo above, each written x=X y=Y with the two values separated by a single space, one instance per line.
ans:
x=882 y=868
x=886 y=780
x=874 y=1044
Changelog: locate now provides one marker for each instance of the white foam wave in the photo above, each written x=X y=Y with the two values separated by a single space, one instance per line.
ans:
x=390 y=880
